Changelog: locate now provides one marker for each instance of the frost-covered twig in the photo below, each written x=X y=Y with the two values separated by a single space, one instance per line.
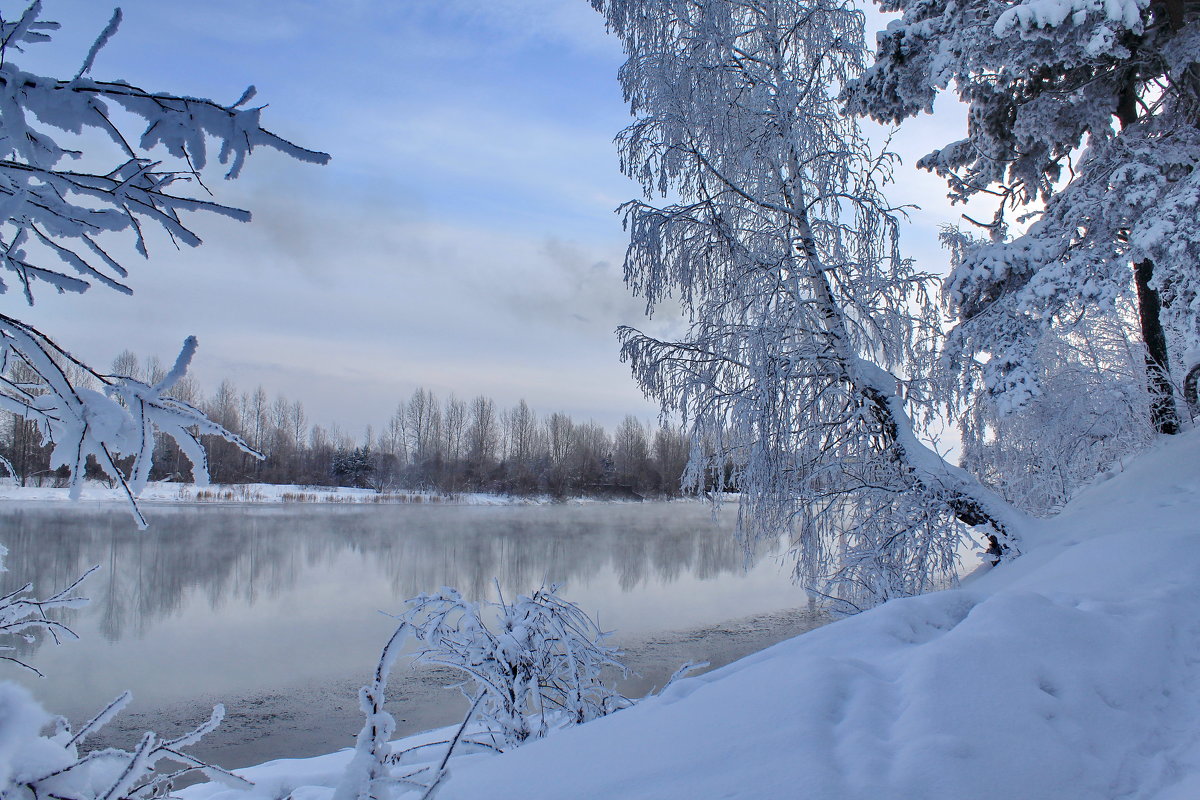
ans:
x=55 y=216
x=366 y=776
x=34 y=765
x=536 y=667
x=22 y=615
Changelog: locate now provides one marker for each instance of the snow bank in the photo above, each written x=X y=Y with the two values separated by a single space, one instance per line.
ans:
x=1070 y=673
x=167 y=492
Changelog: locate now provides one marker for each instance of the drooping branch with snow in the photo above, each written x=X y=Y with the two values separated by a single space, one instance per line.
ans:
x=60 y=215
x=56 y=217
x=120 y=419
x=809 y=332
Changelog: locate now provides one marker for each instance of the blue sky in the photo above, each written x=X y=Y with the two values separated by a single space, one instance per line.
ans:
x=463 y=237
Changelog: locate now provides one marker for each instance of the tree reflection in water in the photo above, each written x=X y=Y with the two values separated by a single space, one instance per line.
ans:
x=247 y=599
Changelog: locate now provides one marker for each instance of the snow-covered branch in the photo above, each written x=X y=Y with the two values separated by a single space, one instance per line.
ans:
x=41 y=756
x=536 y=667
x=119 y=418
x=54 y=217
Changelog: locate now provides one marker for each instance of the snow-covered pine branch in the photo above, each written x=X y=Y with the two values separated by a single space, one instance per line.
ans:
x=1083 y=115
x=782 y=249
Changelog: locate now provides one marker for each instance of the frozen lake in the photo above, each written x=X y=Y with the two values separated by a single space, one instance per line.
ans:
x=274 y=611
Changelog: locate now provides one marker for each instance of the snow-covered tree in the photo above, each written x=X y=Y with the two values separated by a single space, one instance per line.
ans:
x=1082 y=115
x=66 y=203
x=782 y=250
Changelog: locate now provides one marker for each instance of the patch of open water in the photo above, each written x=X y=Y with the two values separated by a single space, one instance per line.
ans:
x=274 y=611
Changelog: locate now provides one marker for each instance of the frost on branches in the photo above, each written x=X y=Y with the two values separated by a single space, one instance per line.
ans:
x=1083 y=115
x=529 y=667
x=40 y=756
x=61 y=217
x=54 y=215
x=809 y=332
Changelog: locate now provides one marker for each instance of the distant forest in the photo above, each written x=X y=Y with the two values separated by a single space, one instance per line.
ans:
x=430 y=443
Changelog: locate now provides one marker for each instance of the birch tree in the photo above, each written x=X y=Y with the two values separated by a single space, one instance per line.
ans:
x=808 y=330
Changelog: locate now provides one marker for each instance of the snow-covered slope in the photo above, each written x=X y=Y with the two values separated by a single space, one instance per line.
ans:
x=1073 y=672
x=1070 y=673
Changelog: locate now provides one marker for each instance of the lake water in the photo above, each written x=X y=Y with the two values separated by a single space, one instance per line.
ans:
x=274 y=610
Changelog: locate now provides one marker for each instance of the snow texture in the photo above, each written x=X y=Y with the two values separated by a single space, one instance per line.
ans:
x=1070 y=672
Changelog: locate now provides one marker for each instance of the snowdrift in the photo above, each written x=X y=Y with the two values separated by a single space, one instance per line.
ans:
x=1069 y=673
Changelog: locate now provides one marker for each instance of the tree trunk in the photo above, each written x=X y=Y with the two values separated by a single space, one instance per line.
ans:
x=970 y=501
x=1163 y=412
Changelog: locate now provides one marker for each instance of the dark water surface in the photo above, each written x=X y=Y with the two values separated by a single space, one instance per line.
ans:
x=274 y=610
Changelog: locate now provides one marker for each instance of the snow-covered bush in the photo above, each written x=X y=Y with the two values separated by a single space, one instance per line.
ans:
x=532 y=664
x=529 y=667
x=1091 y=410
x=1085 y=403
x=40 y=756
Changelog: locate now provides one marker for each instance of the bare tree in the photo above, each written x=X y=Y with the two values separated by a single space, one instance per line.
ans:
x=483 y=437
x=630 y=451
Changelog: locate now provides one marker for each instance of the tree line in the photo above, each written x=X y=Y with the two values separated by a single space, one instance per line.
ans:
x=429 y=443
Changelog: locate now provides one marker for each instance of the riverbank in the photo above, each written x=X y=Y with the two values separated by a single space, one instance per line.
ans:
x=1073 y=671
x=322 y=716
x=269 y=493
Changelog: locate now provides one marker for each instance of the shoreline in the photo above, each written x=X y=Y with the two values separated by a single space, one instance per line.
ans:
x=323 y=717
x=165 y=492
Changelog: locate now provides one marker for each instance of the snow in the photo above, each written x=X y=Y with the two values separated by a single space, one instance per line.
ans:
x=1052 y=13
x=1069 y=672
x=169 y=492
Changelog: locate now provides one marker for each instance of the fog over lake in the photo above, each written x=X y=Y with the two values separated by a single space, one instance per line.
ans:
x=275 y=610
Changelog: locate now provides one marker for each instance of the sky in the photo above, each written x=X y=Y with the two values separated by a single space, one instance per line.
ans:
x=463 y=237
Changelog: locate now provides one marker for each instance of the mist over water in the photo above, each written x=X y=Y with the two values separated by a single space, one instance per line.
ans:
x=275 y=610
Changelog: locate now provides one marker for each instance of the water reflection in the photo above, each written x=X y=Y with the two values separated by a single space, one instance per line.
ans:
x=218 y=599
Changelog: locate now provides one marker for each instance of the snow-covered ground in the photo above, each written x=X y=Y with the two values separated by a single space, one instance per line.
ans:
x=167 y=492
x=1072 y=672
